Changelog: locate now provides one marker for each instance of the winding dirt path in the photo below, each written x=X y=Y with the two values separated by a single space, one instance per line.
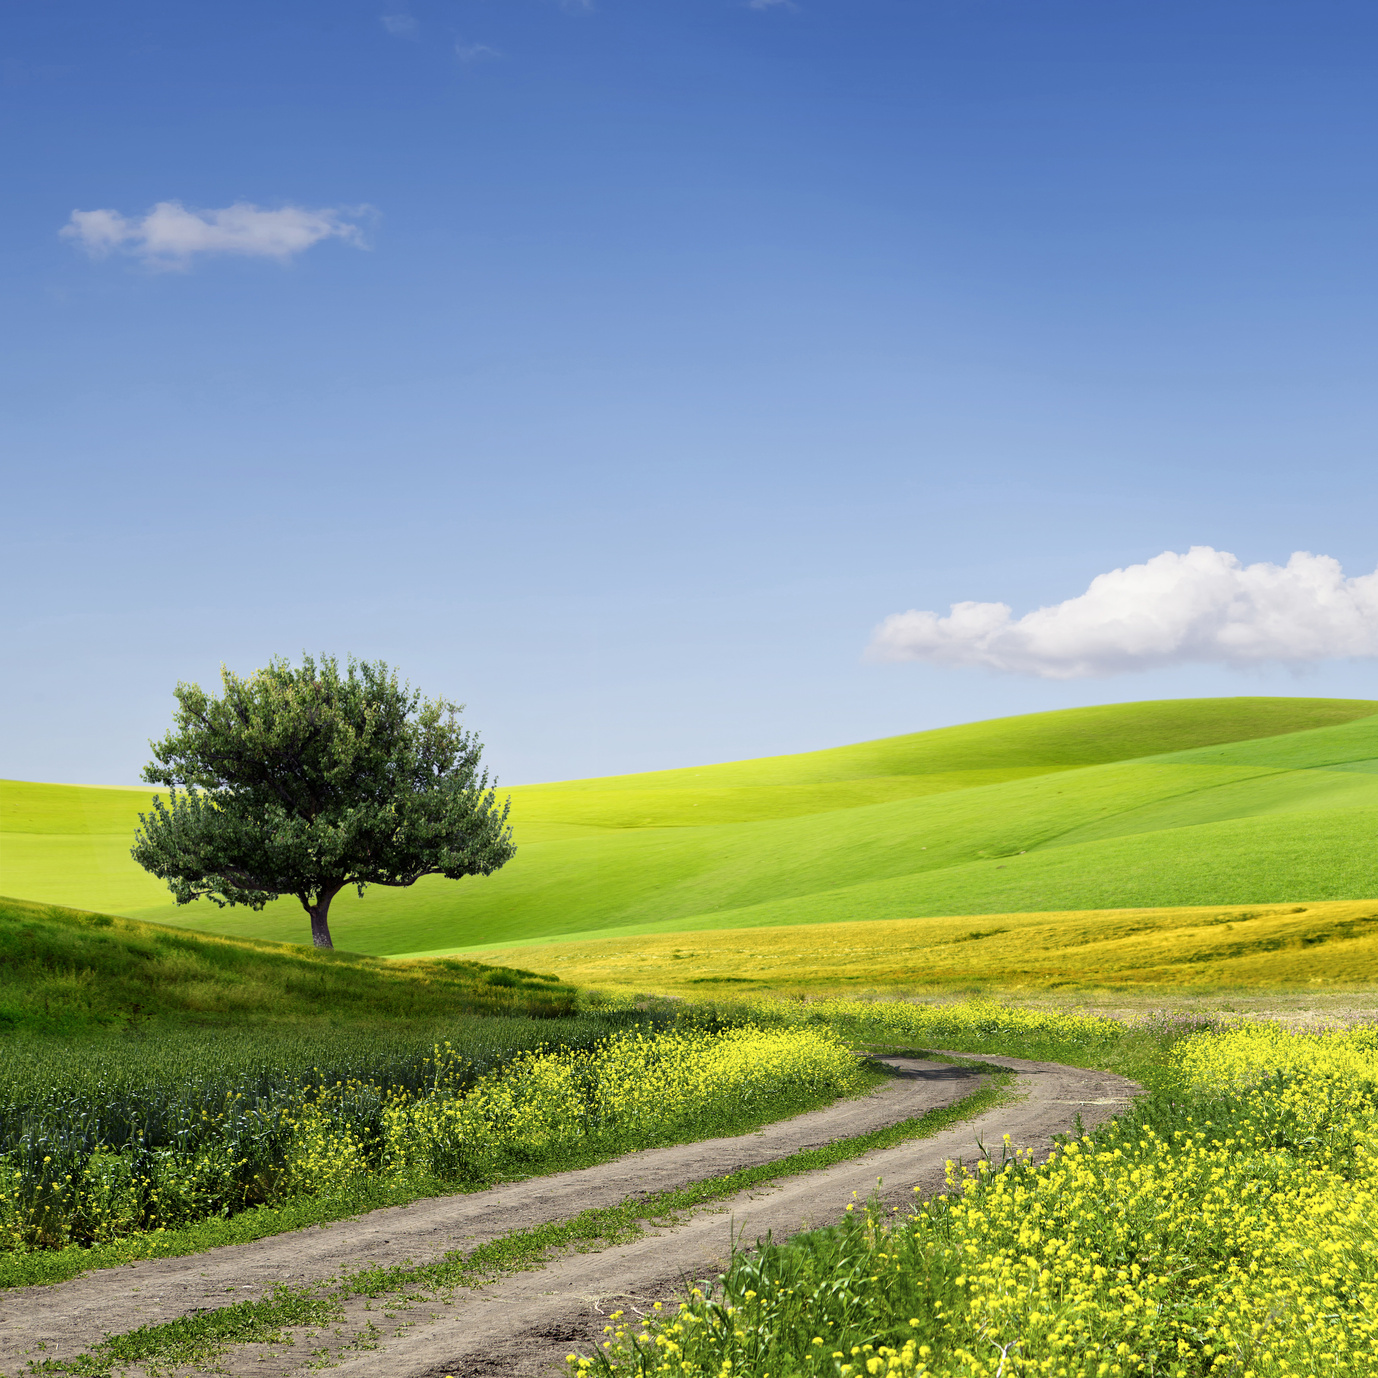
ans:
x=526 y=1323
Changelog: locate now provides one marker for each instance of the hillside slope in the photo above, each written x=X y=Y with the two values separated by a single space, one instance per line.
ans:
x=1164 y=950
x=1172 y=803
x=65 y=971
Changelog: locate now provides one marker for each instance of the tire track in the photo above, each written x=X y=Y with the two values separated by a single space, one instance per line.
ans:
x=62 y=1320
x=523 y=1326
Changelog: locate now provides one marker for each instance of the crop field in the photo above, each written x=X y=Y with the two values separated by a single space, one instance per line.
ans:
x=1214 y=802
x=1173 y=951
x=1226 y=1224
x=141 y=1145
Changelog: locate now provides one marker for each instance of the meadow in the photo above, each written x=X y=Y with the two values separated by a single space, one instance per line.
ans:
x=1171 y=953
x=1215 y=802
x=117 y=1148
x=163 y=1091
x=66 y=972
x=1226 y=1224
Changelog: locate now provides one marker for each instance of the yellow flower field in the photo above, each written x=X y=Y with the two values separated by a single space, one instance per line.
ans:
x=969 y=1025
x=1307 y=945
x=542 y=1108
x=635 y=1088
x=1228 y=1225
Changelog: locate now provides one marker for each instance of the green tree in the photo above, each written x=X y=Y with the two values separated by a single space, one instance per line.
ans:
x=303 y=780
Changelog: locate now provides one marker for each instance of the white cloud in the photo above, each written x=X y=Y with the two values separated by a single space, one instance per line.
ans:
x=1201 y=607
x=400 y=25
x=475 y=52
x=170 y=235
x=771 y=4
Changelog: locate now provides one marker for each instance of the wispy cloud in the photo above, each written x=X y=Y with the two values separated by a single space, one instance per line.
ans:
x=400 y=25
x=170 y=235
x=1201 y=607
x=475 y=52
x=771 y=5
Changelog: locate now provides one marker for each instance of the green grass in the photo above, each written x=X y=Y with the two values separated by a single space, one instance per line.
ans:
x=1181 y=802
x=1138 y=1052
x=153 y=1083
x=67 y=972
x=125 y=1037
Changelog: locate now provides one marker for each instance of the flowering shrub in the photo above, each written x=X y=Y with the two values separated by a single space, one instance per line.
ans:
x=1228 y=1226
x=627 y=1091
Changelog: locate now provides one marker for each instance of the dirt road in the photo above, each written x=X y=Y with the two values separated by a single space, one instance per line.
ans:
x=524 y=1323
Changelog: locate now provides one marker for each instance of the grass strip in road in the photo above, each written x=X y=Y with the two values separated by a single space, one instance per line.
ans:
x=198 y=1339
x=601 y=1228
x=201 y=1337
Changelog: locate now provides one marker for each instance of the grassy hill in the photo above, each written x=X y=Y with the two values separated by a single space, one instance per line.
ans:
x=64 y=971
x=1181 y=802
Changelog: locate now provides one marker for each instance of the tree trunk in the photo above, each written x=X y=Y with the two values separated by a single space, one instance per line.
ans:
x=320 y=924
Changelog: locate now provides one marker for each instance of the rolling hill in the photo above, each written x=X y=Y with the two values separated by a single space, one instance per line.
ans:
x=64 y=971
x=1172 y=803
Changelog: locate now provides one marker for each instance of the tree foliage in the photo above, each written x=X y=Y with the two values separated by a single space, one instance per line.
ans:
x=304 y=780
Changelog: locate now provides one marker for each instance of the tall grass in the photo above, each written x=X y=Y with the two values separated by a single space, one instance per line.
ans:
x=128 y=1113
x=984 y=1026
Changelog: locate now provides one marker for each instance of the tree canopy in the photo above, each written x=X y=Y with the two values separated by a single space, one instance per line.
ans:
x=302 y=780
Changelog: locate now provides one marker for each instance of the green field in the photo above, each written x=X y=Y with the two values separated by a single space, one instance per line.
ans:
x=1172 y=803
x=65 y=972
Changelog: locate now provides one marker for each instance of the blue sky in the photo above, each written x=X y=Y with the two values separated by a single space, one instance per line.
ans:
x=680 y=344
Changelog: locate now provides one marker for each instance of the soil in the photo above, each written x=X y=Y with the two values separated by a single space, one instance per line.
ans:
x=526 y=1324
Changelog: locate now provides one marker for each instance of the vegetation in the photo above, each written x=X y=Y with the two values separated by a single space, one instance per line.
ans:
x=1331 y=945
x=1220 y=802
x=302 y=781
x=202 y=1338
x=63 y=972
x=166 y=1090
x=96 y=1151
x=974 y=1026
x=1224 y=1225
